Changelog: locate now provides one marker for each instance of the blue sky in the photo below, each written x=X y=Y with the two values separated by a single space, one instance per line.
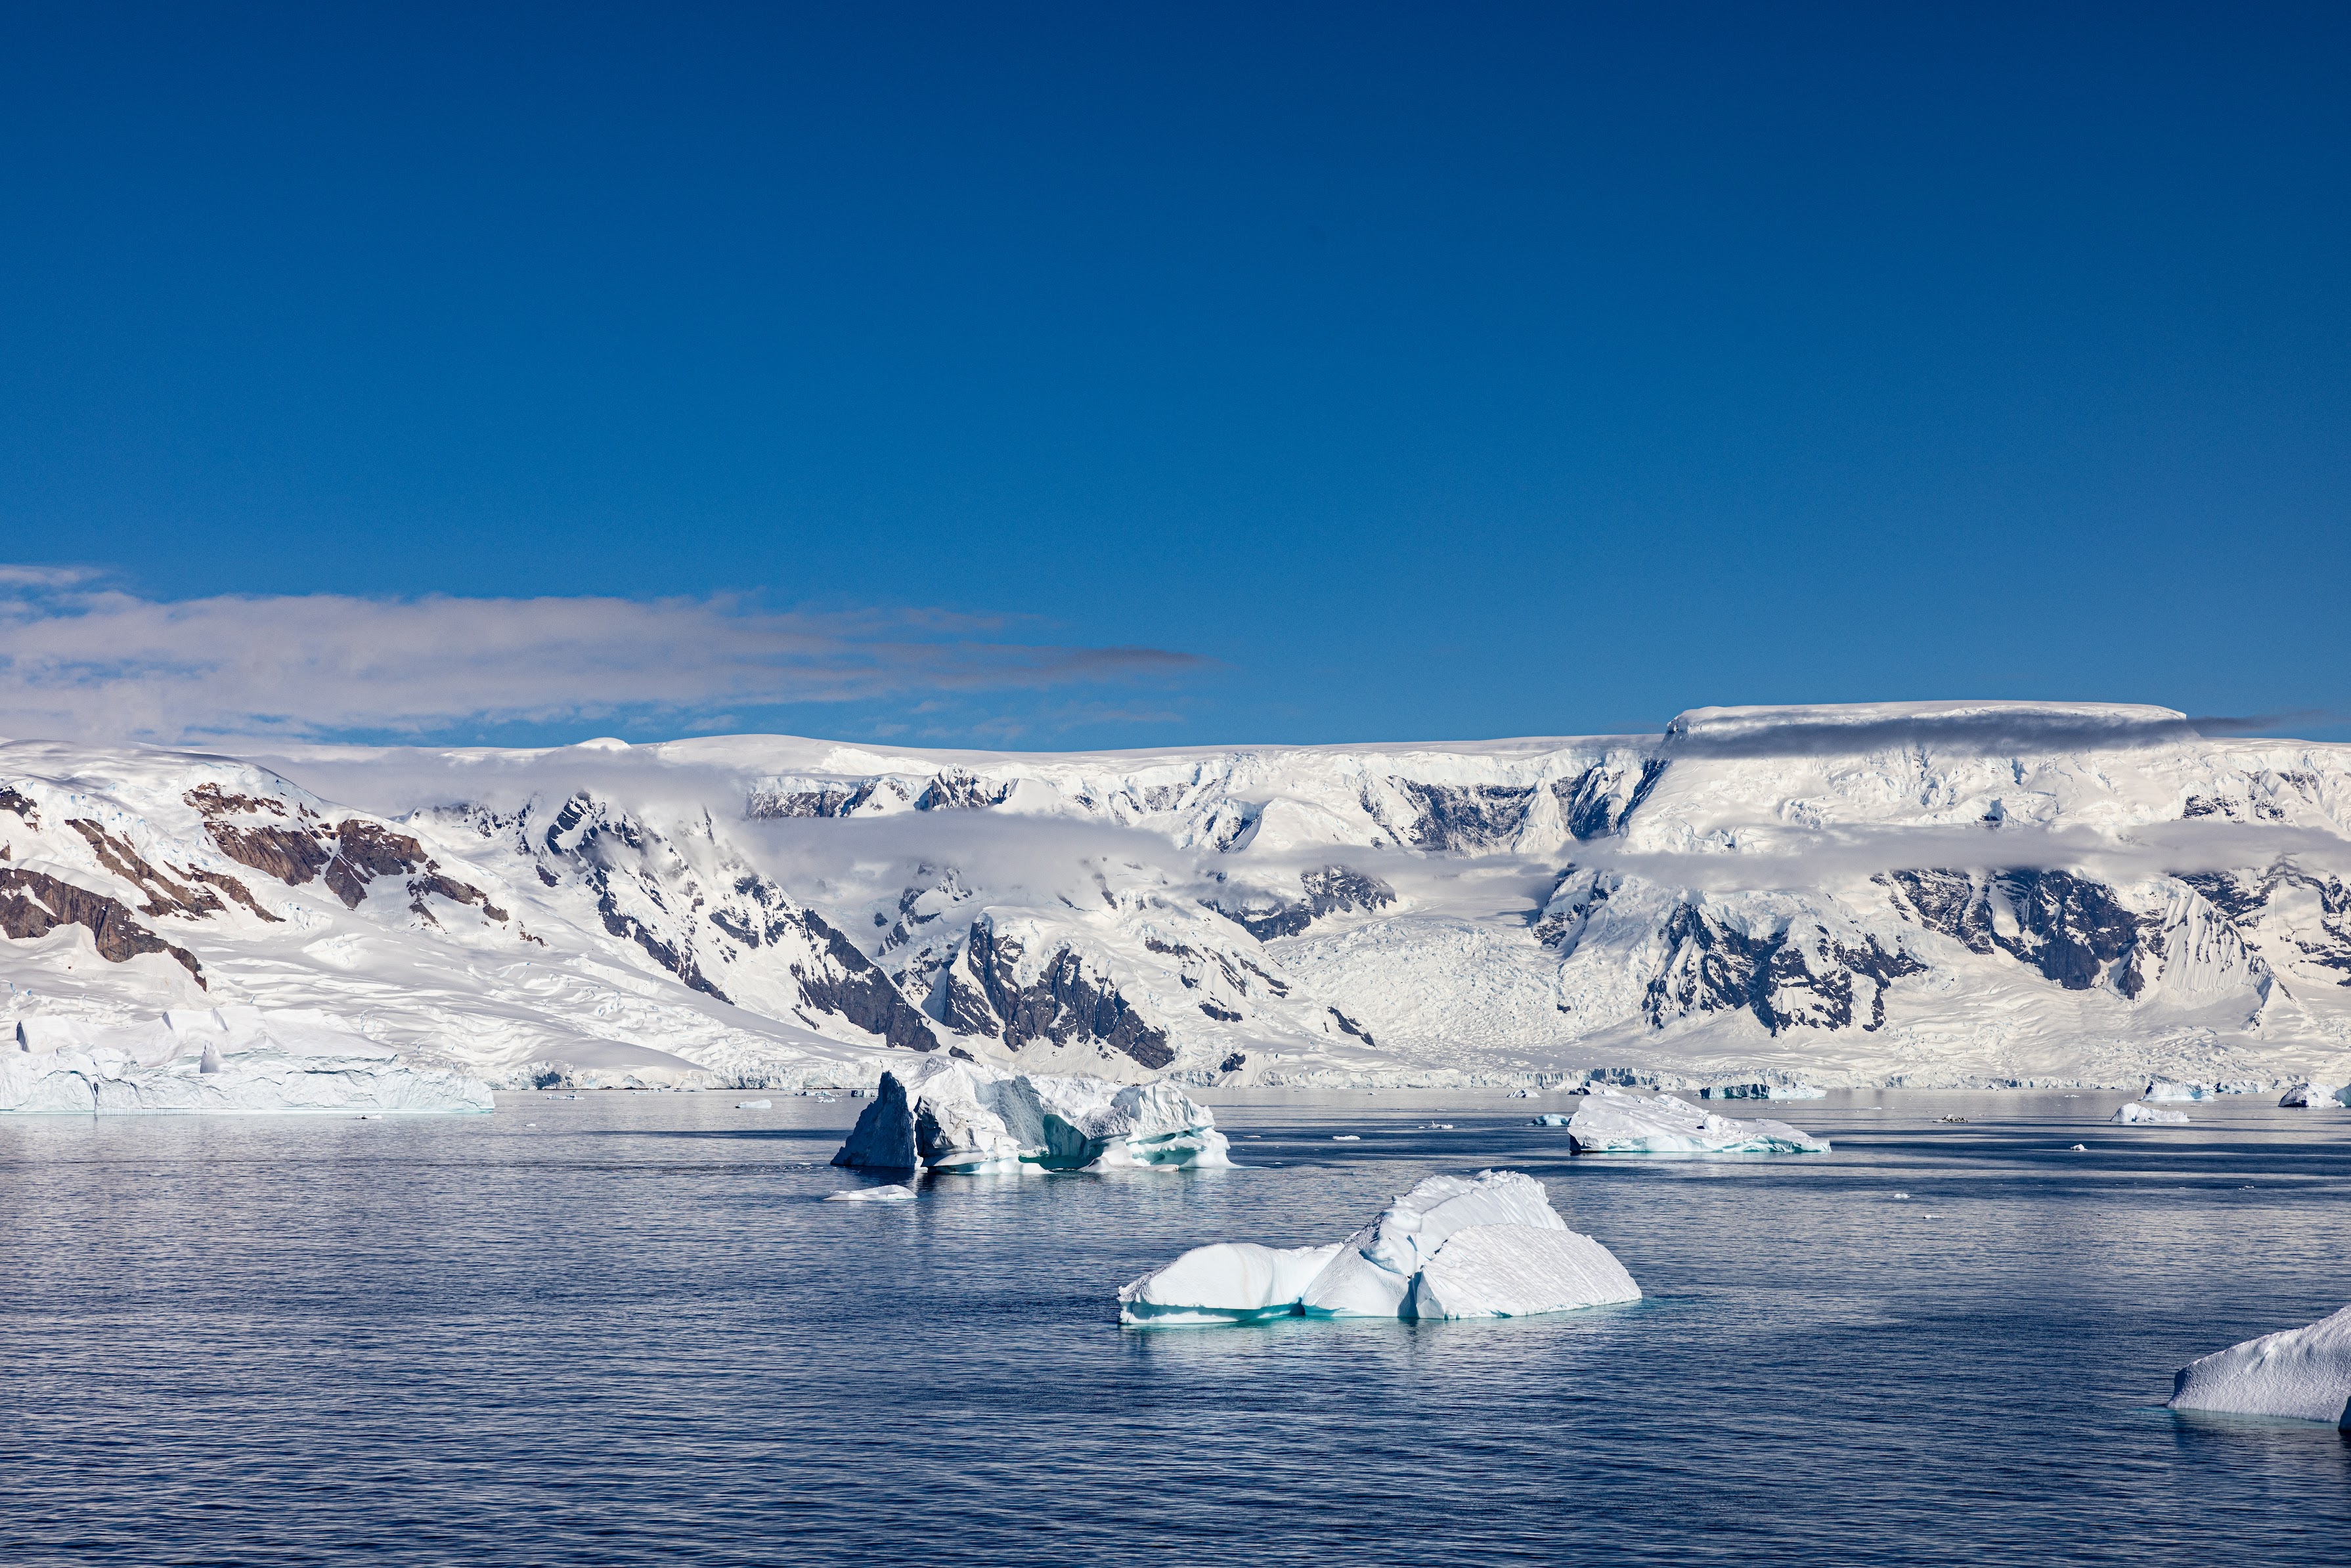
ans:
x=1076 y=376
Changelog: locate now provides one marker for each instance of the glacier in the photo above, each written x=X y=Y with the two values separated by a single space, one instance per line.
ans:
x=1488 y=1246
x=1613 y=1122
x=222 y=1060
x=945 y=1114
x=1902 y=894
x=2300 y=1374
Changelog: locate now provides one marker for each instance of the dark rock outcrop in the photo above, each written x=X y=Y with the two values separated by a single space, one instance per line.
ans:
x=34 y=903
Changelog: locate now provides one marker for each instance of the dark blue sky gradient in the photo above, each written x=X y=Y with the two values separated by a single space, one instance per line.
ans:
x=1439 y=371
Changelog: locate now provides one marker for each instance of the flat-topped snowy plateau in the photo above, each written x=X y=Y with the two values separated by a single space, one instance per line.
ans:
x=1757 y=900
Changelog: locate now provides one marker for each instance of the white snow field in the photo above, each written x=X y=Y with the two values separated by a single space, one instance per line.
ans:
x=1613 y=1122
x=1894 y=895
x=1488 y=1245
x=2302 y=1373
x=945 y=1114
x=2150 y=1116
x=234 y=1058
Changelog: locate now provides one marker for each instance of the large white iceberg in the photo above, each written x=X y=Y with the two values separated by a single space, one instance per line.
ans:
x=1488 y=1245
x=1615 y=1123
x=2312 y=1095
x=2150 y=1115
x=947 y=1115
x=2303 y=1373
x=230 y=1059
x=2172 y=1088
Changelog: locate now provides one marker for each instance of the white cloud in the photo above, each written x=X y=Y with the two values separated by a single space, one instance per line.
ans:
x=81 y=660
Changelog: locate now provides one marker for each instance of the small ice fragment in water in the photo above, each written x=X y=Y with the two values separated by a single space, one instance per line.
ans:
x=1346 y=1137
x=1902 y=1194
x=755 y=1104
x=1551 y=1119
x=2133 y=1116
x=893 y=1194
x=2079 y=1149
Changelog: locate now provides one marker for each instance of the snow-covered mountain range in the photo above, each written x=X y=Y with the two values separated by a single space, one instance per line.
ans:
x=1921 y=893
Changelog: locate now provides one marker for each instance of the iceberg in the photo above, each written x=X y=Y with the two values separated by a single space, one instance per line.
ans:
x=234 y=1060
x=892 y=1194
x=1488 y=1246
x=2312 y=1095
x=2303 y=1374
x=1615 y=1123
x=945 y=1114
x=2150 y=1115
x=1551 y=1119
x=2172 y=1088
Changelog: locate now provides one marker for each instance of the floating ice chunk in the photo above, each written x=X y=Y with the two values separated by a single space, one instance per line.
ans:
x=1551 y=1119
x=893 y=1194
x=755 y=1104
x=2079 y=1149
x=1515 y=1257
x=238 y=1060
x=2303 y=1373
x=2312 y=1095
x=2150 y=1115
x=944 y=1114
x=1762 y=1091
x=1346 y=1137
x=1226 y=1282
x=1614 y=1124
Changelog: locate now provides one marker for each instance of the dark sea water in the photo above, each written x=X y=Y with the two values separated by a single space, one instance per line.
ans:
x=632 y=1334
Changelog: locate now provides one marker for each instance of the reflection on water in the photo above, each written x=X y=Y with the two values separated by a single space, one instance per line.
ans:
x=631 y=1332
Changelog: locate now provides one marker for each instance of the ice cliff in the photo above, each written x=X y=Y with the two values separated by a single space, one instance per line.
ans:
x=1485 y=1247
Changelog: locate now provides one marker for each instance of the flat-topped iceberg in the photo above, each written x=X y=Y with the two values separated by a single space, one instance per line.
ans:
x=2303 y=1374
x=1610 y=1122
x=2172 y=1088
x=946 y=1114
x=237 y=1059
x=1488 y=1245
x=2312 y=1095
x=2150 y=1115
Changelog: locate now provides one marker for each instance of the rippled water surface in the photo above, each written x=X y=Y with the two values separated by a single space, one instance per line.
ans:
x=623 y=1329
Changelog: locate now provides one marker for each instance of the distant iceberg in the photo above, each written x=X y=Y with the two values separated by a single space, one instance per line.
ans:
x=2172 y=1088
x=945 y=1114
x=1488 y=1245
x=1614 y=1124
x=1762 y=1091
x=2312 y=1095
x=2303 y=1374
x=2150 y=1115
x=237 y=1059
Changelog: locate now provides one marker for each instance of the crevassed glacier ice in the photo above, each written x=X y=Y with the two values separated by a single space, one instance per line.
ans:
x=1453 y=1246
x=945 y=1114
x=1614 y=1124
x=2303 y=1373
x=2150 y=1115
x=1762 y=1091
x=2312 y=1095
x=222 y=1060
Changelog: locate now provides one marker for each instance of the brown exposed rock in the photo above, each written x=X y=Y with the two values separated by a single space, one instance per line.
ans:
x=164 y=897
x=33 y=904
x=212 y=802
x=292 y=855
x=367 y=850
x=235 y=888
x=12 y=802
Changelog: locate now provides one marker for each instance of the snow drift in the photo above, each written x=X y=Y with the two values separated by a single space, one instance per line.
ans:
x=963 y=1116
x=2303 y=1373
x=1485 y=1247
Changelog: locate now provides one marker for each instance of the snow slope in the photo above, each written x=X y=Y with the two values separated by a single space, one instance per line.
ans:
x=1897 y=893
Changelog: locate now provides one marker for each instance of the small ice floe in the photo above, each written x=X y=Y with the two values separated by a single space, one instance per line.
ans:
x=2079 y=1149
x=893 y=1194
x=1553 y=1119
x=1346 y=1137
x=1616 y=1123
x=755 y=1104
x=2312 y=1095
x=2150 y=1115
x=1902 y=1194
x=1439 y=1127
x=1454 y=1247
x=1950 y=1118
x=2300 y=1374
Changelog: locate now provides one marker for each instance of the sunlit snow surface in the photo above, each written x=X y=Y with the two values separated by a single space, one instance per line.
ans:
x=2302 y=1373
